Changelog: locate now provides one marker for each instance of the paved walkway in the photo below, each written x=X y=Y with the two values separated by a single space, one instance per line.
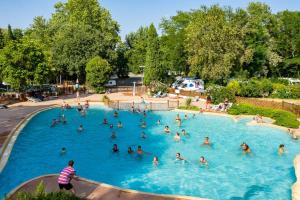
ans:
x=95 y=191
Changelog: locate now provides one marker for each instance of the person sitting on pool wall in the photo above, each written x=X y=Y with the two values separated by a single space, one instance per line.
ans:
x=65 y=177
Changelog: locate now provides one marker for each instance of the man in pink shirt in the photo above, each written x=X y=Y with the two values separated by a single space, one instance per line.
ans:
x=65 y=177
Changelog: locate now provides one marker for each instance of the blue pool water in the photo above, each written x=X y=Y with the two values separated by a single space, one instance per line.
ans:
x=230 y=175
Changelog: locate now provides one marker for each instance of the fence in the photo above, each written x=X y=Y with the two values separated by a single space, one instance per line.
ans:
x=294 y=108
x=127 y=105
x=187 y=93
x=139 y=90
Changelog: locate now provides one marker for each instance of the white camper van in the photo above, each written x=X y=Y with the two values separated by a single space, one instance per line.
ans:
x=191 y=84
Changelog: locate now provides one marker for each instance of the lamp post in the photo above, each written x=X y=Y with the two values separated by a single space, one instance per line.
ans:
x=133 y=91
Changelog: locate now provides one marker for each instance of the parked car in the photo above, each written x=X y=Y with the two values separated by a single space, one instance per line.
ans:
x=111 y=83
x=3 y=106
x=189 y=84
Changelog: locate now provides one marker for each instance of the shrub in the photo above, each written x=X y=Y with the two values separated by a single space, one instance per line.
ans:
x=40 y=194
x=250 y=89
x=220 y=93
x=281 y=117
x=234 y=86
x=188 y=102
x=98 y=71
x=194 y=108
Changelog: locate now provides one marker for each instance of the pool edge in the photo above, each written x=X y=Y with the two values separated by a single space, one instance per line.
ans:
x=94 y=190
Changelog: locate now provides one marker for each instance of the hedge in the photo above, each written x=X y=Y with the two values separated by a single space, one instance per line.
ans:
x=281 y=117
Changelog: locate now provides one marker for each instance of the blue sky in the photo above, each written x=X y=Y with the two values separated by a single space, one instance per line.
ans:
x=129 y=13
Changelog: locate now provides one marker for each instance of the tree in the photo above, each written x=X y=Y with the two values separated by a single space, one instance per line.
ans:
x=153 y=68
x=122 y=68
x=10 y=34
x=213 y=44
x=21 y=61
x=172 y=41
x=136 y=44
x=2 y=42
x=98 y=71
x=81 y=30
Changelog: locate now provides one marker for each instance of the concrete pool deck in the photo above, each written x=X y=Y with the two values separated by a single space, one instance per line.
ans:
x=93 y=190
x=18 y=113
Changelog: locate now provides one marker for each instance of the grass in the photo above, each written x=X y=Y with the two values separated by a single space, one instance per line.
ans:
x=281 y=117
x=194 y=108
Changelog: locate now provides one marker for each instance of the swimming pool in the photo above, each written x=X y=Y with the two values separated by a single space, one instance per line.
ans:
x=230 y=175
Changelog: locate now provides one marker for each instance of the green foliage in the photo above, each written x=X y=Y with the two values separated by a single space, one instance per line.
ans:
x=234 y=86
x=10 y=35
x=136 y=43
x=194 y=108
x=98 y=72
x=153 y=69
x=2 y=41
x=281 y=117
x=220 y=93
x=256 y=88
x=23 y=63
x=213 y=43
x=40 y=190
x=188 y=102
x=122 y=68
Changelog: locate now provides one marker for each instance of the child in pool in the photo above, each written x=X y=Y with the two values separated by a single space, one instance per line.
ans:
x=105 y=121
x=63 y=151
x=178 y=157
x=116 y=114
x=143 y=135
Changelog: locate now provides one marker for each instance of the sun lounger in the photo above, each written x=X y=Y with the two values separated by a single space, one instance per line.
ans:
x=33 y=99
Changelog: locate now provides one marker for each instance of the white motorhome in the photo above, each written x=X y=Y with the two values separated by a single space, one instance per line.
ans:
x=292 y=81
x=191 y=84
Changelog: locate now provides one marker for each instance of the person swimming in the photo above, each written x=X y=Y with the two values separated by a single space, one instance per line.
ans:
x=167 y=129
x=177 y=137
x=130 y=151
x=53 y=123
x=158 y=122
x=245 y=148
x=194 y=115
x=86 y=105
x=144 y=114
x=116 y=114
x=105 y=121
x=206 y=141
x=178 y=157
x=79 y=107
x=63 y=151
x=139 y=151
x=183 y=132
x=111 y=126
x=115 y=148
x=155 y=161
x=143 y=124
x=80 y=128
x=203 y=161
x=120 y=125
x=113 y=135
x=186 y=117
x=63 y=119
x=281 y=149
x=143 y=135
x=178 y=120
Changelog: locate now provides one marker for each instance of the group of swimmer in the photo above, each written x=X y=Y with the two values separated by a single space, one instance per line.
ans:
x=206 y=142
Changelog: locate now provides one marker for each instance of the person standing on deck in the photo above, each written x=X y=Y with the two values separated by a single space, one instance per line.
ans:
x=65 y=177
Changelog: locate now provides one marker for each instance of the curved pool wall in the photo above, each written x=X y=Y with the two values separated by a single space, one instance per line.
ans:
x=56 y=171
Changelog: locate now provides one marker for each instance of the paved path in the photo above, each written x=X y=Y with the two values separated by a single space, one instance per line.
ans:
x=95 y=191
